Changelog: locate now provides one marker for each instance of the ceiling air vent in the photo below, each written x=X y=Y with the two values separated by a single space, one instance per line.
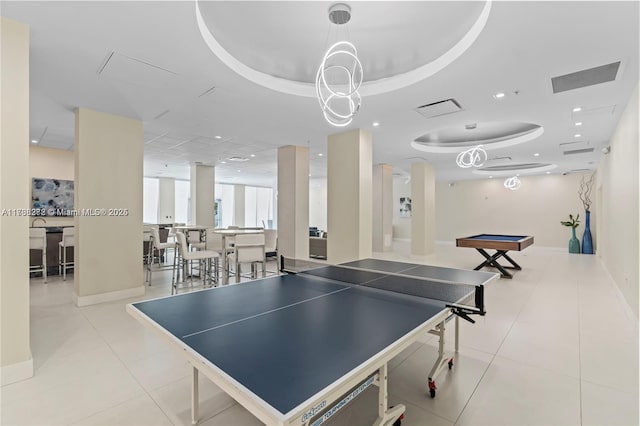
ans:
x=436 y=109
x=578 y=151
x=584 y=78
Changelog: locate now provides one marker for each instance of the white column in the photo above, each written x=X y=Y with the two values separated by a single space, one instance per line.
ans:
x=349 y=196
x=166 y=200
x=382 y=207
x=238 y=205
x=202 y=187
x=15 y=349
x=108 y=180
x=293 y=202
x=423 y=214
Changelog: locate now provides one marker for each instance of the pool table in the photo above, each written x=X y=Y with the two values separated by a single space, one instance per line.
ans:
x=501 y=244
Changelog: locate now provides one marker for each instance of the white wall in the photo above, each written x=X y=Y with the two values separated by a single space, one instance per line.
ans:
x=50 y=163
x=618 y=184
x=166 y=200
x=486 y=206
x=318 y=203
x=401 y=225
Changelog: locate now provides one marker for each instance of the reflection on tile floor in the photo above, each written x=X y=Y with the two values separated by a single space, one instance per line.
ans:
x=557 y=347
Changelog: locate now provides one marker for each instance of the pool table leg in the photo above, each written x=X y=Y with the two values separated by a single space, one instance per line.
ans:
x=493 y=261
x=513 y=262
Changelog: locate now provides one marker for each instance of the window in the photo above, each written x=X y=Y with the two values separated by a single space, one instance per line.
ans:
x=225 y=204
x=183 y=197
x=150 y=191
x=258 y=206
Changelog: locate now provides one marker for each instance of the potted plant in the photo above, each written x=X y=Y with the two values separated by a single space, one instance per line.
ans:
x=574 y=244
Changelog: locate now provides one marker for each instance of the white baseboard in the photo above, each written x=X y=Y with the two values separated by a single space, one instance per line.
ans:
x=107 y=297
x=17 y=372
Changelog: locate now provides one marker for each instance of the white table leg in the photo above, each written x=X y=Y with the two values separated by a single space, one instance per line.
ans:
x=194 y=397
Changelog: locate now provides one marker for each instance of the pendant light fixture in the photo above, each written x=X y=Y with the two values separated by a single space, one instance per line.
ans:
x=340 y=75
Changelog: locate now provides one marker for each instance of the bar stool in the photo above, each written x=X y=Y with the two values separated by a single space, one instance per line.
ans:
x=155 y=245
x=205 y=259
x=249 y=248
x=38 y=241
x=68 y=240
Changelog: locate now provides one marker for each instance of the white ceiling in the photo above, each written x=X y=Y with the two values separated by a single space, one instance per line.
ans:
x=148 y=60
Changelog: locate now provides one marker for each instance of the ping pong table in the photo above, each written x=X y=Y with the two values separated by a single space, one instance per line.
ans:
x=295 y=349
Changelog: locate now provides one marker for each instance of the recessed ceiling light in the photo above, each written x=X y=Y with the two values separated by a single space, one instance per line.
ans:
x=320 y=155
x=499 y=95
x=548 y=173
x=490 y=177
x=309 y=174
x=252 y=155
x=578 y=123
x=577 y=109
x=223 y=162
x=577 y=135
x=238 y=171
x=218 y=137
x=537 y=154
x=376 y=124
x=34 y=141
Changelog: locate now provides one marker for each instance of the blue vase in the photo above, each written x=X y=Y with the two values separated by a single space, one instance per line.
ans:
x=574 y=243
x=587 y=243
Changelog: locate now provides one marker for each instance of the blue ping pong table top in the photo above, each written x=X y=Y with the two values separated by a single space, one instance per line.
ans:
x=287 y=337
x=461 y=276
x=494 y=237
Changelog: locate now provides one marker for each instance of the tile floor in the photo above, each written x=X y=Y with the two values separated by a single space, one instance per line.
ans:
x=557 y=347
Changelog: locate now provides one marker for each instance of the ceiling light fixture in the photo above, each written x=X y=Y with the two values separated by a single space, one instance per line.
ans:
x=577 y=109
x=320 y=155
x=499 y=95
x=34 y=141
x=473 y=157
x=512 y=183
x=579 y=123
x=548 y=172
x=376 y=124
x=252 y=155
x=537 y=154
x=218 y=137
x=339 y=76
x=577 y=135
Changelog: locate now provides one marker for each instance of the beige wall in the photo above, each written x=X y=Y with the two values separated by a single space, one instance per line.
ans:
x=349 y=196
x=108 y=175
x=486 y=206
x=382 y=207
x=293 y=201
x=238 y=205
x=203 y=195
x=423 y=215
x=51 y=163
x=15 y=349
x=619 y=207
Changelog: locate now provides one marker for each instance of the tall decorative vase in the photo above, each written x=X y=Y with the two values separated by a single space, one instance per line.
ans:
x=574 y=243
x=587 y=243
